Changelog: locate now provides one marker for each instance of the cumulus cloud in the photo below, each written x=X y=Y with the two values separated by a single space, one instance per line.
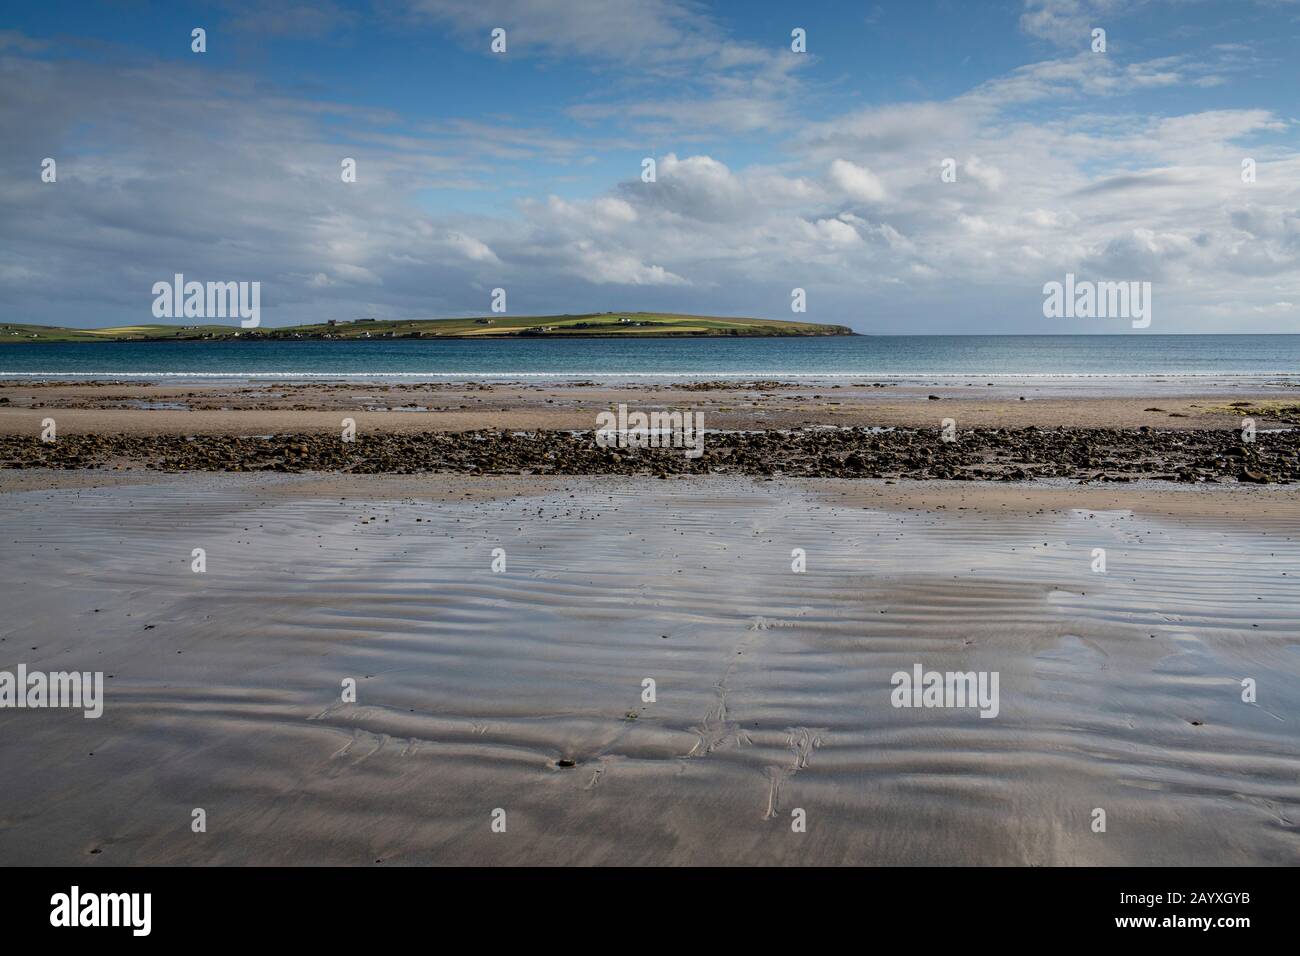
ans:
x=856 y=182
x=167 y=168
x=988 y=176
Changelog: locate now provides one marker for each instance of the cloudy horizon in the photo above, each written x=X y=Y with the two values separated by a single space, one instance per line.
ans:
x=774 y=169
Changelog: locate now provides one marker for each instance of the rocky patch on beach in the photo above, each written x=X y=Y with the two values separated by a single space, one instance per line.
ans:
x=977 y=454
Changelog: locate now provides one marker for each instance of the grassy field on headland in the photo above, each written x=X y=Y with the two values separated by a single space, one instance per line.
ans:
x=621 y=324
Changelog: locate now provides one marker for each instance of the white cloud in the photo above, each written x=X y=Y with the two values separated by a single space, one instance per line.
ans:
x=856 y=182
x=1069 y=23
x=833 y=231
x=656 y=34
x=988 y=176
x=1059 y=169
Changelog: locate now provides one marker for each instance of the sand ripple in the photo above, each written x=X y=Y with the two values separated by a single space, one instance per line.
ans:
x=1119 y=691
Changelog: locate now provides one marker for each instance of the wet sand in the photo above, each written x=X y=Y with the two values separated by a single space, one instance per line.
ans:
x=1228 y=433
x=1118 y=690
x=138 y=408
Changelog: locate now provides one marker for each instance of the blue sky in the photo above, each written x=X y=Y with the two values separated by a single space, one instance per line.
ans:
x=776 y=170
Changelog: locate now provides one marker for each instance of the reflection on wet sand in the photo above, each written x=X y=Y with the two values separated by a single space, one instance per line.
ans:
x=525 y=690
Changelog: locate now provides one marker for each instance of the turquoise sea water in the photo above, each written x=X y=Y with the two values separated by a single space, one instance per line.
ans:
x=1263 y=358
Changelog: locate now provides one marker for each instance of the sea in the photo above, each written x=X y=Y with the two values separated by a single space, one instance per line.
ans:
x=1084 y=362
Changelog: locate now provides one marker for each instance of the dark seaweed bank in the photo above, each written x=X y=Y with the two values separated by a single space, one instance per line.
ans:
x=977 y=454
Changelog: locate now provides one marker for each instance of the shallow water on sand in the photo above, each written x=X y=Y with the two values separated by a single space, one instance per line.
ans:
x=1119 y=691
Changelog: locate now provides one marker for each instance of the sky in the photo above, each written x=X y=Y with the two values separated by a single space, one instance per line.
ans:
x=775 y=170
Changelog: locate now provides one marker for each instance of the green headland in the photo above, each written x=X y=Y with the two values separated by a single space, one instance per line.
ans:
x=598 y=324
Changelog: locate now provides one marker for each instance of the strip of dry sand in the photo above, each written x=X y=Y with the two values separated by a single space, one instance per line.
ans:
x=143 y=408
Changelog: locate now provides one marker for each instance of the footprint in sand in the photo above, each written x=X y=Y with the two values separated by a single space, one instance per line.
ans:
x=802 y=741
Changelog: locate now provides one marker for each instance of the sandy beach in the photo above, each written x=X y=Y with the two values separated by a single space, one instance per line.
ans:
x=141 y=408
x=746 y=429
x=477 y=689
x=500 y=590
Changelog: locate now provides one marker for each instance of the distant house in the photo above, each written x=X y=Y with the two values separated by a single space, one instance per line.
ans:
x=482 y=321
